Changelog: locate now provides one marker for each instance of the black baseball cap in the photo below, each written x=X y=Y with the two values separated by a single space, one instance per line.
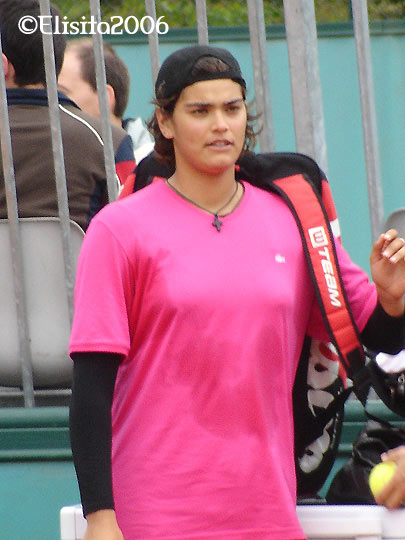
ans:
x=176 y=72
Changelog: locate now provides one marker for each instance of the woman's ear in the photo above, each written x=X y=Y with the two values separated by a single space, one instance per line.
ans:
x=165 y=123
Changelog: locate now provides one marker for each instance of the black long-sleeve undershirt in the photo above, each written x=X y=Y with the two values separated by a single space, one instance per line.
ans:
x=384 y=333
x=94 y=376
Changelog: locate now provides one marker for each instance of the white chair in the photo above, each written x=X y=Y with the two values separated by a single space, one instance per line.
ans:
x=352 y=522
x=46 y=303
x=348 y=522
x=72 y=523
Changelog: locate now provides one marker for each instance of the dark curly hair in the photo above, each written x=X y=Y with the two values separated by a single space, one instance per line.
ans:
x=164 y=148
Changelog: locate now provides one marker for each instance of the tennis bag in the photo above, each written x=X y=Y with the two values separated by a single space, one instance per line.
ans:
x=319 y=390
x=350 y=484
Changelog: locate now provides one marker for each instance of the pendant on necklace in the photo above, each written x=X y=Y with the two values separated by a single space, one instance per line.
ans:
x=217 y=223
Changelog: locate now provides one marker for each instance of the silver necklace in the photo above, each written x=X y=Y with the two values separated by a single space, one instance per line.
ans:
x=217 y=222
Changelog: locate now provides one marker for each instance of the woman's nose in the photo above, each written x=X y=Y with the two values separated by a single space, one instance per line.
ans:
x=219 y=122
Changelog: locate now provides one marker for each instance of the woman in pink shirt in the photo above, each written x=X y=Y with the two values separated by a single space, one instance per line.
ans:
x=192 y=301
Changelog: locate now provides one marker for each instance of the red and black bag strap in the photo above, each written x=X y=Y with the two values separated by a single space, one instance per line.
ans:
x=319 y=246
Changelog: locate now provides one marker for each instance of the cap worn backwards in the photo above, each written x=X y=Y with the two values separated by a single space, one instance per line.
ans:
x=176 y=72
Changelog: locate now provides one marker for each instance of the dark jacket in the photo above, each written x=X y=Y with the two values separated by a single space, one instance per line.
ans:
x=33 y=157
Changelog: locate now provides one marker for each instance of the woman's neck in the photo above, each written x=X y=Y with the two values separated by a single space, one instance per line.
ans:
x=207 y=190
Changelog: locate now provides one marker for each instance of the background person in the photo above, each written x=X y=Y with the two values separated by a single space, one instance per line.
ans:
x=188 y=330
x=378 y=440
x=78 y=80
x=24 y=68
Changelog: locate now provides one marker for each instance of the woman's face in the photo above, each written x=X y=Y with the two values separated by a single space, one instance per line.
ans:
x=208 y=126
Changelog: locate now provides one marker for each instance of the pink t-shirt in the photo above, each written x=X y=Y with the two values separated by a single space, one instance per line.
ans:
x=211 y=326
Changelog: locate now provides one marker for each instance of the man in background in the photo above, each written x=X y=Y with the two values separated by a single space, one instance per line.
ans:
x=78 y=80
x=24 y=68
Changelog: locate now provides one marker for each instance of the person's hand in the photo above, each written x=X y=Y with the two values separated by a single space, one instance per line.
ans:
x=102 y=525
x=393 y=495
x=387 y=262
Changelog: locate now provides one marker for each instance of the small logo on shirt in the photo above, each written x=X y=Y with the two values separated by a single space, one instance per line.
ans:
x=318 y=237
x=279 y=258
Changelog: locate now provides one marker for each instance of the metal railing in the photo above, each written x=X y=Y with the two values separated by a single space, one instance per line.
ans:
x=301 y=35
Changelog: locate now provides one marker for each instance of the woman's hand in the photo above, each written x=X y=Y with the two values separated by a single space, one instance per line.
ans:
x=393 y=495
x=102 y=525
x=387 y=262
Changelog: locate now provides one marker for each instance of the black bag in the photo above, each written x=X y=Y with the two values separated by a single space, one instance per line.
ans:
x=350 y=484
x=318 y=404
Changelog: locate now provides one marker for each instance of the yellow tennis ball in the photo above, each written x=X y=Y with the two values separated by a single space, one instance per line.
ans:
x=380 y=475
